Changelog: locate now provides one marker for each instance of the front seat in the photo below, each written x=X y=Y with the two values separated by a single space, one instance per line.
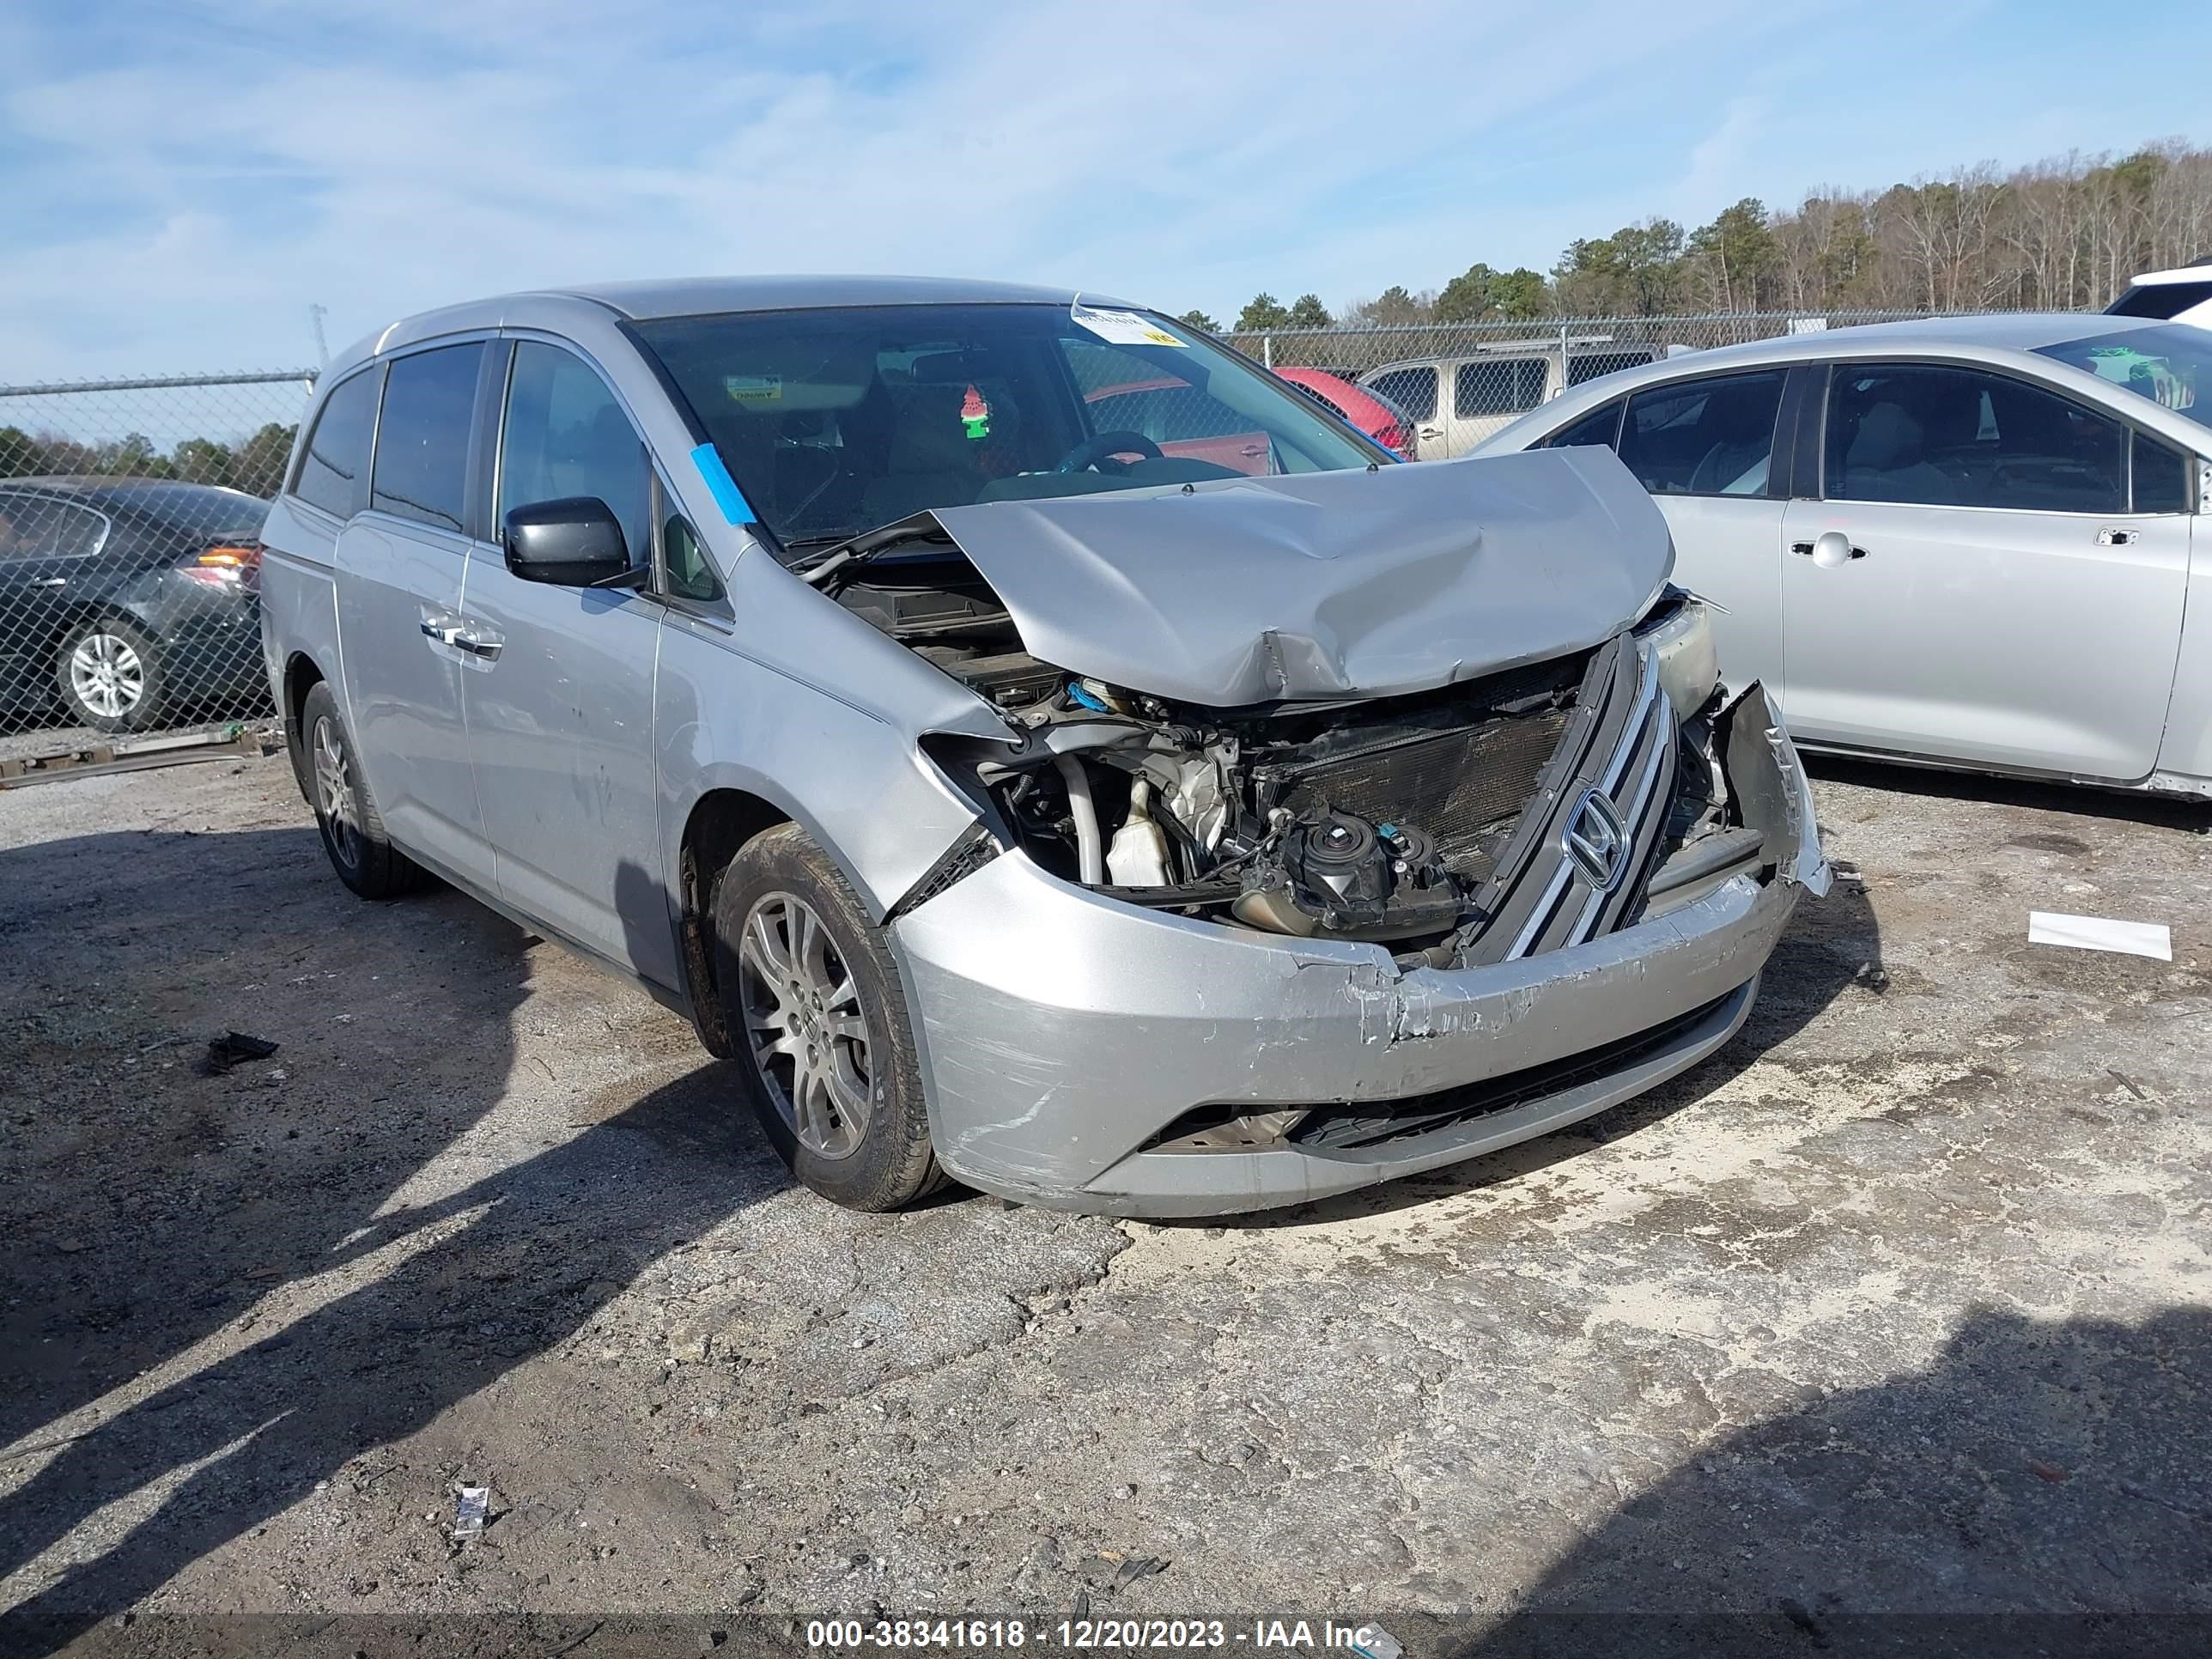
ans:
x=931 y=462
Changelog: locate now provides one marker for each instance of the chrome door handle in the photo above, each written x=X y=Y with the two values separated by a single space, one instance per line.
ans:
x=475 y=646
x=1831 y=548
x=1432 y=432
x=55 y=581
x=2117 y=538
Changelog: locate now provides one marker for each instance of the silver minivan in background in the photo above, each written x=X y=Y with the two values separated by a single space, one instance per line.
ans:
x=1172 y=821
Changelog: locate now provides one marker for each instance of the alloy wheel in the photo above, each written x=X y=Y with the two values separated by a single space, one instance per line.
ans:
x=334 y=796
x=106 y=675
x=805 y=1025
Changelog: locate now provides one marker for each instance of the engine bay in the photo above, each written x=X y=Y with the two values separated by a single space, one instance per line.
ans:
x=1381 y=820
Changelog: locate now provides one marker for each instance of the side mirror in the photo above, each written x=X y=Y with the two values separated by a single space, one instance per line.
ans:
x=574 y=542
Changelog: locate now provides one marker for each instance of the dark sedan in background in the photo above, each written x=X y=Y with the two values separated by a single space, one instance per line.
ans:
x=125 y=603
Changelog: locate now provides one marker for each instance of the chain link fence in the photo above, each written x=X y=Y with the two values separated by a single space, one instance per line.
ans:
x=1432 y=390
x=131 y=510
x=129 y=555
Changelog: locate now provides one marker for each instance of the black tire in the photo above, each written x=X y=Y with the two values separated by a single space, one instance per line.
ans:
x=360 y=852
x=111 y=675
x=888 y=1163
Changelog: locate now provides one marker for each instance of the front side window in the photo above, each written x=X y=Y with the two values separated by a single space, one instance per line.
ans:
x=41 y=528
x=1413 y=390
x=683 y=562
x=1934 y=435
x=566 y=436
x=1600 y=427
x=423 y=439
x=334 y=470
x=837 y=420
x=1708 y=437
x=1498 y=385
x=2170 y=365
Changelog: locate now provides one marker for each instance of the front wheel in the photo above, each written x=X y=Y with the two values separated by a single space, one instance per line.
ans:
x=110 y=674
x=828 y=1060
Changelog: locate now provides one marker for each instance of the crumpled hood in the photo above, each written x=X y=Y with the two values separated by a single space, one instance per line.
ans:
x=1327 y=584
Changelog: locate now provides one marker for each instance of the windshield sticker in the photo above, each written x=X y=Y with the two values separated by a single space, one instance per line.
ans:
x=1120 y=327
x=753 y=388
x=976 y=415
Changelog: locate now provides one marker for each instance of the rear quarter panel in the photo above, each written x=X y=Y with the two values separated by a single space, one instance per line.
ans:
x=299 y=597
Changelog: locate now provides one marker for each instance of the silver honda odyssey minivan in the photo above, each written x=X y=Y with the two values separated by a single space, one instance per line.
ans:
x=1034 y=747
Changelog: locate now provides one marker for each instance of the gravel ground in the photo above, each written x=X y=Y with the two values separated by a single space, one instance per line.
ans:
x=1896 y=1308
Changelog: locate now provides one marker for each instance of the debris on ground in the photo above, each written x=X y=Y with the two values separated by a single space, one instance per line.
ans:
x=470 y=1506
x=2134 y=939
x=235 y=1048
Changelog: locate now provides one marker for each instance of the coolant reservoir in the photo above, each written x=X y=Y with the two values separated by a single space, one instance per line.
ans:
x=1138 y=856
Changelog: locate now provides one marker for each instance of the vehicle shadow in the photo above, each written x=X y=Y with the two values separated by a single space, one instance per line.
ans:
x=2161 y=811
x=440 y=1283
x=2038 y=1488
x=154 y=1199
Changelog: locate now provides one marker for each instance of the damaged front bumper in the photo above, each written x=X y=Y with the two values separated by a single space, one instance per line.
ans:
x=1083 y=1054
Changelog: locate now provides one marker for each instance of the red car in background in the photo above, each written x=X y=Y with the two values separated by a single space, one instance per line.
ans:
x=1363 y=410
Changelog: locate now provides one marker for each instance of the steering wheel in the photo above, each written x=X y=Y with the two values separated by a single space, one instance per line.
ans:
x=1093 y=450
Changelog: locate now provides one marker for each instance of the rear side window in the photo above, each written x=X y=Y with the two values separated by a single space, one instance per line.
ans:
x=1498 y=385
x=1934 y=435
x=2162 y=477
x=422 y=441
x=1709 y=437
x=334 y=471
x=39 y=527
x=1413 y=390
x=1600 y=427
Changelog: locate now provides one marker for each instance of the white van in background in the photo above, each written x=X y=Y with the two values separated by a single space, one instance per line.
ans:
x=2183 y=294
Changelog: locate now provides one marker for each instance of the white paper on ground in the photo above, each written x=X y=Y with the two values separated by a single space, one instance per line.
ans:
x=2134 y=939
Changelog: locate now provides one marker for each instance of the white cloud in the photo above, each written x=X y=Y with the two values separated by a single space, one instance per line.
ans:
x=185 y=179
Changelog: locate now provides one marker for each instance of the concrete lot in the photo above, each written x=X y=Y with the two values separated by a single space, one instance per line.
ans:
x=1899 y=1306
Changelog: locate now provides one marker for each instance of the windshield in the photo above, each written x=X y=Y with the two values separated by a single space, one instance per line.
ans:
x=839 y=421
x=2172 y=366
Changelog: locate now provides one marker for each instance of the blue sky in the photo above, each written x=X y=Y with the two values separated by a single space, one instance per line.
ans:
x=182 y=179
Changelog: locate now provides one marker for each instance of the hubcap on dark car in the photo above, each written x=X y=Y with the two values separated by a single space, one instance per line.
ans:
x=106 y=675
x=804 y=1022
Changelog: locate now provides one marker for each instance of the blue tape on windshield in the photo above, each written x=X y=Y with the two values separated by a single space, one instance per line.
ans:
x=722 y=487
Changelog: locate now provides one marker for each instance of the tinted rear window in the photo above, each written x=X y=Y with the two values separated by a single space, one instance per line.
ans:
x=334 y=471
x=2160 y=300
x=422 y=441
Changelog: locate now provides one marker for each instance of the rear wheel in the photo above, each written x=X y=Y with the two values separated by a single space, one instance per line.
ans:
x=110 y=674
x=353 y=835
x=828 y=1059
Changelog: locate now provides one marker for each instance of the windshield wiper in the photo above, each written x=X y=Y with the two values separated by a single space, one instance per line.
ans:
x=854 y=549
